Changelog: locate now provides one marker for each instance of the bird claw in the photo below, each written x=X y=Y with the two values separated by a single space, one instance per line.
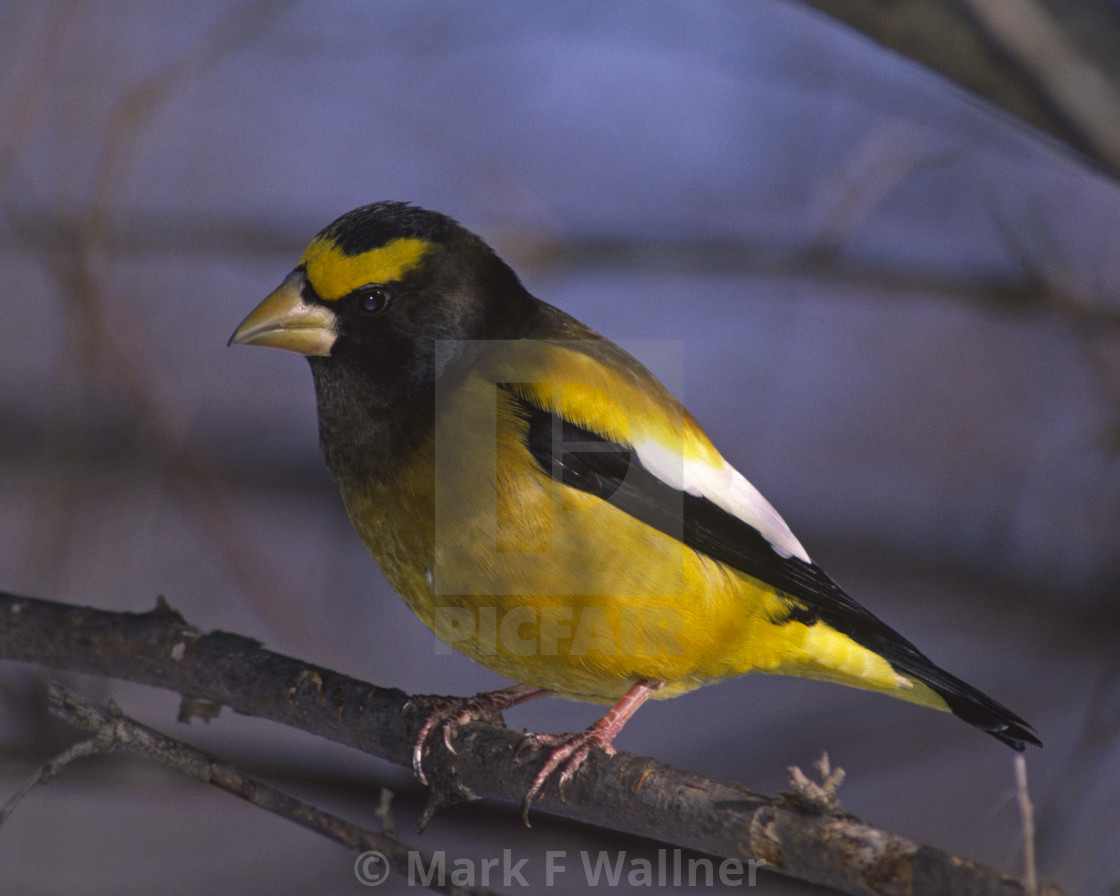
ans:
x=452 y=713
x=569 y=752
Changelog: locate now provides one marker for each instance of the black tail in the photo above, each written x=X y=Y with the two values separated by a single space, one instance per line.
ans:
x=966 y=702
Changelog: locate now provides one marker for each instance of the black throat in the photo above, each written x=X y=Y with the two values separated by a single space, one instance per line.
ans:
x=367 y=428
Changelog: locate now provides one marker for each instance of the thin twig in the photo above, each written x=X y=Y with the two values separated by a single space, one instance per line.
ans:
x=1026 y=810
x=52 y=768
x=819 y=795
x=114 y=732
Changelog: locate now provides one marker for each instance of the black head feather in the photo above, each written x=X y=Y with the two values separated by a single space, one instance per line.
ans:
x=371 y=226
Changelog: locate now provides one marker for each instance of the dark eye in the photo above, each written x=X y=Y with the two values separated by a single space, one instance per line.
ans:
x=372 y=299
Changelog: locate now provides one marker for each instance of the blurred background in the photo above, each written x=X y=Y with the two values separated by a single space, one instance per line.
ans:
x=895 y=303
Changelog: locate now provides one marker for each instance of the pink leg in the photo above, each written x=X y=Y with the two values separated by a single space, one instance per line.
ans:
x=570 y=750
x=453 y=712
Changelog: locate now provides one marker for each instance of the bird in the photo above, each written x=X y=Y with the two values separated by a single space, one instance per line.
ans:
x=544 y=503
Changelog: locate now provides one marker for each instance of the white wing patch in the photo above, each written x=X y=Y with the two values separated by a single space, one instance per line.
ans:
x=725 y=487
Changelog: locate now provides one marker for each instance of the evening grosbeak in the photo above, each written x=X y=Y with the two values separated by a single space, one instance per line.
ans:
x=545 y=505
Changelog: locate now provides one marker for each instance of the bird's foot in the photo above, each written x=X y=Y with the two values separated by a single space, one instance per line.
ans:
x=570 y=751
x=451 y=713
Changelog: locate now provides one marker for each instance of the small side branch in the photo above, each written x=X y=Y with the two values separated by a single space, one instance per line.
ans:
x=115 y=732
x=1026 y=811
x=49 y=771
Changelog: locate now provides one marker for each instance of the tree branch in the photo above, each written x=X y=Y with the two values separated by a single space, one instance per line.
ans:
x=630 y=794
x=1050 y=63
x=115 y=732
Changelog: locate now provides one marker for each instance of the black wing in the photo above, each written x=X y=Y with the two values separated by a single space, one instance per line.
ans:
x=612 y=471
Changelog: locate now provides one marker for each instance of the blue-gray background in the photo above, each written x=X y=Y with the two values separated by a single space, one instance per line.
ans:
x=896 y=313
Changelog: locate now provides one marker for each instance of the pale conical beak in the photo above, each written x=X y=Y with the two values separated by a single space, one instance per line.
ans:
x=286 y=320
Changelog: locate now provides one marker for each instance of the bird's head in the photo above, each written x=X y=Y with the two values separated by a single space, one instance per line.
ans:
x=382 y=302
x=380 y=285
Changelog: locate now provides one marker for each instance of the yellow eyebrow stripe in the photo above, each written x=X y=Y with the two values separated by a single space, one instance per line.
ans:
x=334 y=274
